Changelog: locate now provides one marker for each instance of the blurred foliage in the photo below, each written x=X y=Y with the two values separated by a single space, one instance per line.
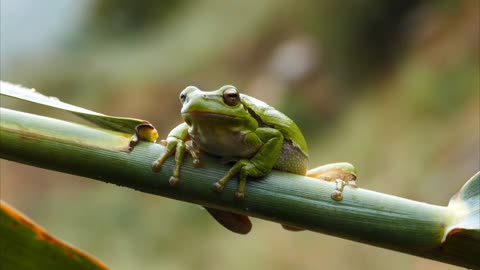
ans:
x=392 y=87
x=374 y=43
x=112 y=18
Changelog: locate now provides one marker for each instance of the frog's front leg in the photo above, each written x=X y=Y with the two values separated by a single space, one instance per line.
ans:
x=176 y=143
x=344 y=174
x=271 y=141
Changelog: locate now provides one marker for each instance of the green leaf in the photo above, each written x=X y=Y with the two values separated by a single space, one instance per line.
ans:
x=466 y=205
x=140 y=129
x=462 y=234
x=25 y=246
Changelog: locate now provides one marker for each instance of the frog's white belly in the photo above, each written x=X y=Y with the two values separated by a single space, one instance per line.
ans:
x=222 y=142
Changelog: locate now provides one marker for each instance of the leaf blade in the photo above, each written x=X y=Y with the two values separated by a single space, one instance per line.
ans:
x=25 y=246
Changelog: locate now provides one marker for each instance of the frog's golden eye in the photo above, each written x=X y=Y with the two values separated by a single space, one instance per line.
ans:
x=231 y=97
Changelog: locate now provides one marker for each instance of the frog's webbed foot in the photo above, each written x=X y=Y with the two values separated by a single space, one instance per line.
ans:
x=178 y=147
x=243 y=168
x=343 y=174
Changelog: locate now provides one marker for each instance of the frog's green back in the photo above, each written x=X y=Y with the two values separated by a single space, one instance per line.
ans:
x=272 y=117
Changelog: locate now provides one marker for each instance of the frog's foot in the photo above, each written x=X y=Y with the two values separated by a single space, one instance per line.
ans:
x=337 y=195
x=173 y=181
x=243 y=168
x=343 y=174
x=292 y=228
x=219 y=186
x=240 y=195
x=177 y=147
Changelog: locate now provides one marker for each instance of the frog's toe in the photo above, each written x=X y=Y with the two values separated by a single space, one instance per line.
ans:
x=218 y=187
x=196 y=162
x=239 y=195
x=156 y=166
x=173 y=181
x=337 y=195
x=352 y=183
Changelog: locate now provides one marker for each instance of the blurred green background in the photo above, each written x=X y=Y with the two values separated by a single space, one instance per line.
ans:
x=390 y=86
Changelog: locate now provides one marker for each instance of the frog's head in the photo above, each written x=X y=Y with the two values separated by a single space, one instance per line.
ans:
x=224 y=103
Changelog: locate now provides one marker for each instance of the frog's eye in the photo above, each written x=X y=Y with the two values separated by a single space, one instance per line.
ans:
x=183 y=96
x=231 y=97
x=186 y=92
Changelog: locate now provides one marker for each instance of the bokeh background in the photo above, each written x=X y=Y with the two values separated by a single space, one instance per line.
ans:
x=390 y=86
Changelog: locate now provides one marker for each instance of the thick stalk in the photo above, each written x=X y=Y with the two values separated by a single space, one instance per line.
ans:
x=363 y=216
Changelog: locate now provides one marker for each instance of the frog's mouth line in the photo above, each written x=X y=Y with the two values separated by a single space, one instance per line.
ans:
x=206 y=115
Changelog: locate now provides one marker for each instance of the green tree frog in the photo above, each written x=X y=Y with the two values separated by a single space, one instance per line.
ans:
x=246 y=130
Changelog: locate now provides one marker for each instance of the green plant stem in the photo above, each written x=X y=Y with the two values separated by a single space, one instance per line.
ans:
x=364 y=216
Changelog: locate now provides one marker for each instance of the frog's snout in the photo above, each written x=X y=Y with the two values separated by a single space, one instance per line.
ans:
x=207 y=96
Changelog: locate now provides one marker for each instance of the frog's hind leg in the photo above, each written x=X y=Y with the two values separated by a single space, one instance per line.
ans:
x=342 y=173
x=234 y=222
